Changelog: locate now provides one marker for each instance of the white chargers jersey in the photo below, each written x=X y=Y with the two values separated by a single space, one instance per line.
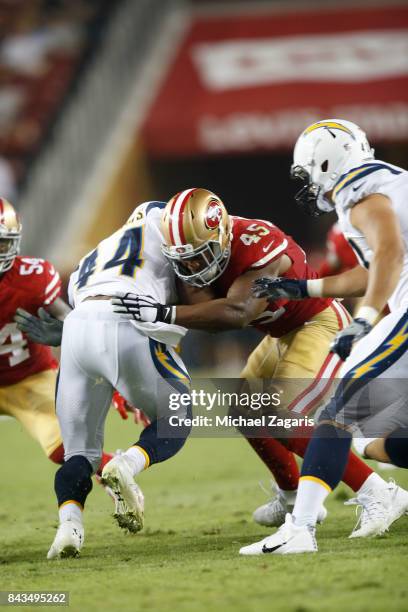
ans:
x=131 y=260
x=369 y=178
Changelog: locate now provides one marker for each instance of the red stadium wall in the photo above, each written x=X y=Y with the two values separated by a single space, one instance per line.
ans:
x=252 y=82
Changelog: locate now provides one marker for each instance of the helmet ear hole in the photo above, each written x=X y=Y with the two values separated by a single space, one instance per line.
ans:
x=325 y=165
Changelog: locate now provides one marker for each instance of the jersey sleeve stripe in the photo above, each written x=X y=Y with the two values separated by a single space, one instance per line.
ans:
x=360 y=173
x=271 y=255
x=52 y=283
x=53 y=296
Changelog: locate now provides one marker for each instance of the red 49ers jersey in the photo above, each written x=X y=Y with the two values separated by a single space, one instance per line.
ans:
x=340 y=256
x=29 y=284
x=255 y=244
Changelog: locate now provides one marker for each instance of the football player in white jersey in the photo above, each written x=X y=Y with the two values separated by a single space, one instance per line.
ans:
x=101 y=351
x=336 y=163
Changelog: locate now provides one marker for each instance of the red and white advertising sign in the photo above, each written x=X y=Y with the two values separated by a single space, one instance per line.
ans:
x=254 y=82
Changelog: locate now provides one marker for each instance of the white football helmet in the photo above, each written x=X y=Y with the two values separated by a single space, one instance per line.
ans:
x=323 y=153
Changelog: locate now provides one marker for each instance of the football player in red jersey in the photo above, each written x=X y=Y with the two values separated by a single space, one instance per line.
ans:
x=28 y=370
x=218 y=257
x=339 y=254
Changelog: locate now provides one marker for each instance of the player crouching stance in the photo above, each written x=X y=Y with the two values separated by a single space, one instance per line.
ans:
x=337 y=165
x=101 y=351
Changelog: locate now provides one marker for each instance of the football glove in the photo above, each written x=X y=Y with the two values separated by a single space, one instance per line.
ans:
x=143 y=308
x=44 y=329
x=278 y=288
x=343 y=342
x=123 y=407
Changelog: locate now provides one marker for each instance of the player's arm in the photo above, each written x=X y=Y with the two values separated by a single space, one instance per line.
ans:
x=351 y=283
x=376 y=220
x=235 y=311
x=188 y=294
x=374 y=217
x=59 y=309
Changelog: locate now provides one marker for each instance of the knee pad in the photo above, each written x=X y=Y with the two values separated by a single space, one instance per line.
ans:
x=396 y=447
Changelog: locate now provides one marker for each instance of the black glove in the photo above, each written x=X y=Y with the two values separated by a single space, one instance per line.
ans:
x=44 y=329
x=343 y=342
x=277 y=288
x=143 y=308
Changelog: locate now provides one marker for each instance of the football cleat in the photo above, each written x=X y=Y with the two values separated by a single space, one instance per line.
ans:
x=68 y=540
x=272 y=514
x=128 y=497
x=398 y=502
x=374 y=518
x=288 y=540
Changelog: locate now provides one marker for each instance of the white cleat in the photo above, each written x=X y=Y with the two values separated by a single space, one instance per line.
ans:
x=129 y=500
x=380 y=508
x=398 y=502
x=374 y=513
x=272 y=514
x=68 y=540
x=288 y=540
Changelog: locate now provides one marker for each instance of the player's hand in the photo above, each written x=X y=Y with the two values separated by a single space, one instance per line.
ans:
x=278 y=288
x=143 y=308
x=120 y=404
x=124 y=408
x=44 y=329
x=343 y=342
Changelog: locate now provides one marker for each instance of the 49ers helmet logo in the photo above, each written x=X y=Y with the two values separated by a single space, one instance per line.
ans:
x=213 y=215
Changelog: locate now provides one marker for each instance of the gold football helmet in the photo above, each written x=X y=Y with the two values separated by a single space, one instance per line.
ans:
x=10 y=235
x=197 y=234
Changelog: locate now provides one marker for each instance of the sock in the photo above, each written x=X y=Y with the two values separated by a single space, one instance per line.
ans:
x=160 y=440
x=323 y=466
x=309 y=500
x=279 y=460
x=138 y=459
x=73 y=481
x=356 y=472
x=70 y=511
x=396 y=447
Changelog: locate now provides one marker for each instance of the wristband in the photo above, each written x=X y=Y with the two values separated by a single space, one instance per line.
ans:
x=367 y=313
x=315 y=287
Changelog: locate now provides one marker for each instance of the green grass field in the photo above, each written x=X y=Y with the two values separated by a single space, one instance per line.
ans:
x=198 y=514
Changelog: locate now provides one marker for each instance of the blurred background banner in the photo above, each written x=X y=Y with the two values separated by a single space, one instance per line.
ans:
x=244 y=82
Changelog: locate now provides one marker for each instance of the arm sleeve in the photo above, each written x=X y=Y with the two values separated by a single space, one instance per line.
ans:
x=52 y=284
x=270 y=246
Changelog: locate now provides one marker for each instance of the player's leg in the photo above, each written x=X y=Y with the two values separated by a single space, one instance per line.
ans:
x=83 y=400
x=278 y=459
x=373 y=492
x=383 y=350
x=305 y=356
x=32 y=403
x=148 y=373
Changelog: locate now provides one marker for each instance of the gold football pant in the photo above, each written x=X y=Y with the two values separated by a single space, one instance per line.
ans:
x=32 y=402
x=299 y=356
